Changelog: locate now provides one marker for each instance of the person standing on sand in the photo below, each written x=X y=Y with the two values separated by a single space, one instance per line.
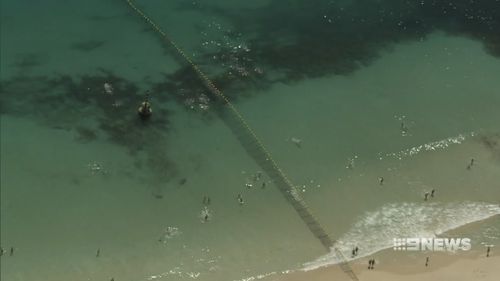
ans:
x=427 y=261
x=488 y=251
x=371 y=263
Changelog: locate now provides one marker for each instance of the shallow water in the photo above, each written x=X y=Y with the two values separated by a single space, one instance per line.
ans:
x=80 y=174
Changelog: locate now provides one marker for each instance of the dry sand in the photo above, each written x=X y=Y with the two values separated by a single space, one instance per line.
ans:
x=442 y=267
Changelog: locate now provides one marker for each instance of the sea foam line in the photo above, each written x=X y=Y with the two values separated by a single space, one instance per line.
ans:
x=431 y=146
x=375 y=230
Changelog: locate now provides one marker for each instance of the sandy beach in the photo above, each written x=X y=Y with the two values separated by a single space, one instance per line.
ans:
x=468 y=267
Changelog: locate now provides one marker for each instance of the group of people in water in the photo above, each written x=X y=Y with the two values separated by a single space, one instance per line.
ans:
x=355 y=251
x=433 y=191
x=205 y=213
x=427 y=194
x=11 y=252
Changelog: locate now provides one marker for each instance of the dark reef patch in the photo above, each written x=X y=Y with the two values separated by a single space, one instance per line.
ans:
x=306 y=39
x=84 y=105
x=310 y=39
x=273 y=43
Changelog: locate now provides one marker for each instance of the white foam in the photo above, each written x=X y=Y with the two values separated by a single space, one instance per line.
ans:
x=431 y=146
x=375 y=230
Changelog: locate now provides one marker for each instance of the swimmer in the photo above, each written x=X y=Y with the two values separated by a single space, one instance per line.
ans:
x=470 y=164
x=108 y=88
x=350 y=162
x=297 y=142
x=432 y=193
x=240 y=199
x=1 y=251
x=205 y=214
x=488 y=251
x=404 y=129
x=381 y=180
x=426 y=195
x=257 y=176
x=11 y=251
x=98 y=253
x=206 y=200
x=263 y=185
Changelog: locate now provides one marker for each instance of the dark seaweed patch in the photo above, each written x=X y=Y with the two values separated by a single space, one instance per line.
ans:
x=75 y=102
x=282 y=43
x=306 y=39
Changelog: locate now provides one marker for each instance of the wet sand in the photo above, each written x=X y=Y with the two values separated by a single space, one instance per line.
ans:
x=441 y=267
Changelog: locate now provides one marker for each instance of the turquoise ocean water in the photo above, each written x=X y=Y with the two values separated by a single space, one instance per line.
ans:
x=341 y=93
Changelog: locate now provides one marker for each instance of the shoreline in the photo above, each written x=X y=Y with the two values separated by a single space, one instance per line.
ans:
x=410 y=266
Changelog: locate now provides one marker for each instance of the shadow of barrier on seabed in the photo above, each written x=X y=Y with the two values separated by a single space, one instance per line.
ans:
x=255 y=148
